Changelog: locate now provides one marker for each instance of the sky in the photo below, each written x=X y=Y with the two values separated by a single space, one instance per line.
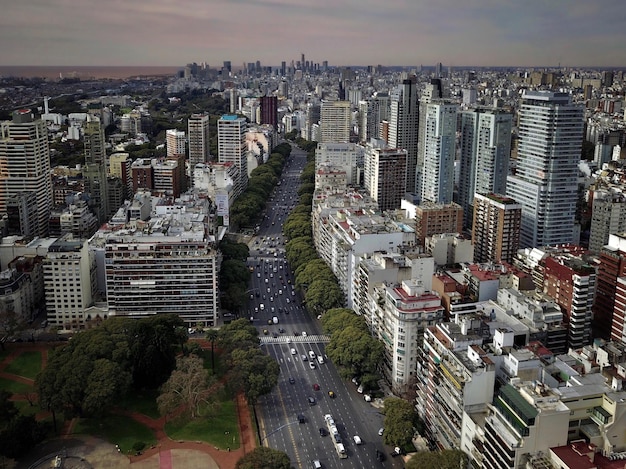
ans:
x=572 y=33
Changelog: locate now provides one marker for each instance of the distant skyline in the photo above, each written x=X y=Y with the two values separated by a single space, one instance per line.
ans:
x=573 y=33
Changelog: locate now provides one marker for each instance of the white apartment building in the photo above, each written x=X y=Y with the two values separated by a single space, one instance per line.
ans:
x=546 y=178
x=69 y=271
x=25 y=165
x=176 y=141
x=344 y=235
x=167 y=264
x=232 y=147
x=343 y=155
x=437 y=172
x=335 y=121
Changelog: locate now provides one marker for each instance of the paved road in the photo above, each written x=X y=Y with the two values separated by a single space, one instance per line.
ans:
x=272 y=286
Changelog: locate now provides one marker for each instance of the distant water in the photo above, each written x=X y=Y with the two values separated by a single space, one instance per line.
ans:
x=84 y=73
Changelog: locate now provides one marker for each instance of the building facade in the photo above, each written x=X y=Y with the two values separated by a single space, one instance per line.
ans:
x=335 y=121
x=546 y=178
x=198 y=131
x=25 y=165
x=403 y=127
x=485 y=150
x=495 y=227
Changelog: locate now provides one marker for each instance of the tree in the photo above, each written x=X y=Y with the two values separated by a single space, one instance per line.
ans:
x=322 y=295
x=106 y=384
x=211 y=336
x=20 y=435
x=7 y=408
x=253 y=372
x=447 y=459
x=238 y=334
x=264 y=458
x=399 y=417
x=188 y=385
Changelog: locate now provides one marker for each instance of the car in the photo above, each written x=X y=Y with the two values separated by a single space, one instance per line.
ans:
x=312 y=365
x=360 y=389
x=293 y=351
x=292 y=380
x=301 y=418
x=357 y=440
x=311 y=400
x=275 y=334
x=380 y=456
x=331 y=394
x=269 y=321
x=265 y=331
x=304 y=358
x=303 y=333
x=381 y=430
x=316 y=387
x=367 y=398
x=296 y=332
x=323 y=431
x=288 y=300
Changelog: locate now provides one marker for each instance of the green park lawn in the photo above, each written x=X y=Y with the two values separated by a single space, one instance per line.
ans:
x=27 y=364
x=220 y=429
x=14 y=387
x=118 y=430
x=4 y=354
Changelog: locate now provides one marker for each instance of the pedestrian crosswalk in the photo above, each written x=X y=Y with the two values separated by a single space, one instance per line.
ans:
x=295 y=339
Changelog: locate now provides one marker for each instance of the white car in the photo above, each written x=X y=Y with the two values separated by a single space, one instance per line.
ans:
x=357 y=440
x=293 y=351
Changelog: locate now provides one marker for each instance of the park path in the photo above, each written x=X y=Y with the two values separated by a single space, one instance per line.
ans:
x=225 y=459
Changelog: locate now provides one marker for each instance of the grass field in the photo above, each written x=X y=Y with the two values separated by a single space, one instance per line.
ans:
x=14 y=387
x=118 y=430
x=26 y=364
x=220 y=429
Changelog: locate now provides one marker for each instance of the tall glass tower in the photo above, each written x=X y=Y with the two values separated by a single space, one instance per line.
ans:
x=403 y=127
x=545 y=180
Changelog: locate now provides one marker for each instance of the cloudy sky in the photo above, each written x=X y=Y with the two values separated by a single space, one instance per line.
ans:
x=356 y=32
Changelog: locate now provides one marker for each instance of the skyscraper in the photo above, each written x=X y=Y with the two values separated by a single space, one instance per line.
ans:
x=432 y=91
x=437 y=172
x=95 y=172
x=485 y=150
x=335 y=121
x=198 y=130
x=25 y=165
x=403 y=127
x=231 y=146
x=546 y=179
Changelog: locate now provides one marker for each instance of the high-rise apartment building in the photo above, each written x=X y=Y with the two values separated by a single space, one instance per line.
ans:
x=437 y=172
x=371 y=114
x=269 y=110
x=495 y=228
x=403 y=127
x=175 y=141
x=485 y=150
x=69 y=278
x=432 y=91
x=609 y=306
x=571 y=281
x=343 y=155
x=95 y=171
x=25 y=165
x=546 y=177
x=432 y=219
x=231 y=146
x=198 y=131
x=335 y=121
x=384 y=174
